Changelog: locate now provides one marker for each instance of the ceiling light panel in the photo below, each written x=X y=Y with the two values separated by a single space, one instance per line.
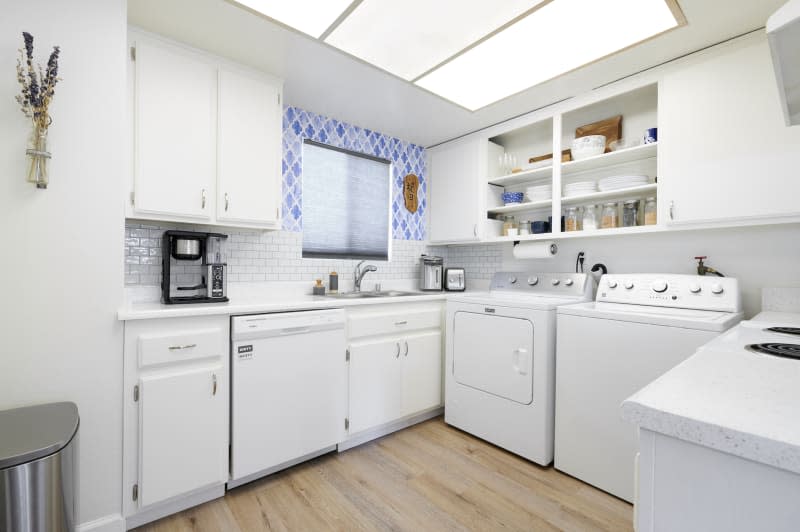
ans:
x=311 y=17
x=557 y=38
x=409 y=37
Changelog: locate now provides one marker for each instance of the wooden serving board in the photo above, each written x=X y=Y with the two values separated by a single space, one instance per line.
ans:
x=566 y=156
x=610 y=127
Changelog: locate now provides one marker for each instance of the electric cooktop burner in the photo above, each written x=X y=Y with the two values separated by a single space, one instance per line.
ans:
x=785 y=330
x=777 y=349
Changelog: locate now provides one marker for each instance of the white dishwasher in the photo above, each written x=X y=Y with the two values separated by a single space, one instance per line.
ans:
x=288 y=390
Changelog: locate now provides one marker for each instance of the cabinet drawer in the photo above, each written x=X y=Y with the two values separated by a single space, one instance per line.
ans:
x=177 y=346
x=394 y=321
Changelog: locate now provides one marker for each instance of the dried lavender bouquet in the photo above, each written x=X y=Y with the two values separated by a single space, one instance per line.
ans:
x=38 y=86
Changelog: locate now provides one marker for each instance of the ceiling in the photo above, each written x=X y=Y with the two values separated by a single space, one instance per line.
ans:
x=324 y=80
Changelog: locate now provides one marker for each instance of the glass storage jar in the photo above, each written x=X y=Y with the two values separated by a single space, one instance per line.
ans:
x=650 y=211
x=571 y=219
x=590 y=218
x=510 y=226
x=630 y=213
x=608 y=220
x=524 y=227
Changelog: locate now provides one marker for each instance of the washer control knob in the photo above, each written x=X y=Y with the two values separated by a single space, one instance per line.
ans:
x=628 y=285
x=556 y=282
x=716 y=288
x=694 y=288
x=533 y=281
x=659 y=285
x=612 y=283
x=512 y=280
x=569 y=282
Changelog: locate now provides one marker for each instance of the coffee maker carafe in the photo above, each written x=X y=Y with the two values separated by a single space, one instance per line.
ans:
x=193 y=267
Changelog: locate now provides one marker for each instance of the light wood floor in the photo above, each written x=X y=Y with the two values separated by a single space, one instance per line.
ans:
x=427 y=477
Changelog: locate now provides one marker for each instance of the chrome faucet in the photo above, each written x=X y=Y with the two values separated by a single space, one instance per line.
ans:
x=359 y=274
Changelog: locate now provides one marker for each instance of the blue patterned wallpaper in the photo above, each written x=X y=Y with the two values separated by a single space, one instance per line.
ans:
x=407 y=158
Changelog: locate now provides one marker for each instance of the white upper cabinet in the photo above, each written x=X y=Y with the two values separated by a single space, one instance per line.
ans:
x=456 y=198
x=207 y=138
x=249 y=148
x=726 y=154
x=175 y=121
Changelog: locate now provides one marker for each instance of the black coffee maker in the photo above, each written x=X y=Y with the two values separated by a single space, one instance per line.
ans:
x=193 y=267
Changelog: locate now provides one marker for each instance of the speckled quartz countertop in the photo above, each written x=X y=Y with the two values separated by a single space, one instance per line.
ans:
x=730 y=399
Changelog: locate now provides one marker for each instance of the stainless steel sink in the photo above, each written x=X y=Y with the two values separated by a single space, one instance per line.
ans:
x=370 y=294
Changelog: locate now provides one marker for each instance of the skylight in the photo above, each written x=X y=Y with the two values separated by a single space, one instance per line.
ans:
x=311 y=17
x=560 y=37
x=472 y=52
x=410 y=37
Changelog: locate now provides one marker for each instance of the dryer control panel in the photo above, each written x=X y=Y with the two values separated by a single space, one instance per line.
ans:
x=701 y=292
x=544 y=284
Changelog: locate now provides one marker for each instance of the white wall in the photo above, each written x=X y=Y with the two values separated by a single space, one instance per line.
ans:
x=757 y=256
x=61 y=264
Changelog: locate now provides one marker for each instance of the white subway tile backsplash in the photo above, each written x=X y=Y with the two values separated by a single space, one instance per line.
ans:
x=277 y=256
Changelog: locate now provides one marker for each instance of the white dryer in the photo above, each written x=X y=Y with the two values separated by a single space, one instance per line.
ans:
x=639 y=327
x=500 y=367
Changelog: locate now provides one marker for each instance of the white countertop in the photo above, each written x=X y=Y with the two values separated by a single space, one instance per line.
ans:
x=143 y=302
x=730 y=399
x=260 y=303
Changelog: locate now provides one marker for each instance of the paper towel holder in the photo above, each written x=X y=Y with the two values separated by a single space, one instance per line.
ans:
x=553 y=247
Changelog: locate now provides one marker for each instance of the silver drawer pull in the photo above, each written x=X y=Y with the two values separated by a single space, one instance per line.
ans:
x=177 y=347
x=399 y=323
x=214 y=388
x=397 y=355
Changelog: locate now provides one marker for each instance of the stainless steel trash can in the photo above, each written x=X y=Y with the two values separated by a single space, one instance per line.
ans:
x=39 y=468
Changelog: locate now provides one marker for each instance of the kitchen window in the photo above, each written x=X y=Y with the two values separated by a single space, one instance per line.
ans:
x=346 y=203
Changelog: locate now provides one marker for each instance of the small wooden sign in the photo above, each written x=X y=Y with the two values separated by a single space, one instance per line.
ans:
x=410 y=187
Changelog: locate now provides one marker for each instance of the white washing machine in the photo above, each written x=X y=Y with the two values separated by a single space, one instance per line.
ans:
x=499 y=378
x=639 y=327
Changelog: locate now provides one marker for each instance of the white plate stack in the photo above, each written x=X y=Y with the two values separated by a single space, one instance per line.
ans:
x=539 y=192
x=580 y=188
x=622 y=181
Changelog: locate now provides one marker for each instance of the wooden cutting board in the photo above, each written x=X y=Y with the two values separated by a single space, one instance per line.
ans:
x=566 y=156
x=610 y=127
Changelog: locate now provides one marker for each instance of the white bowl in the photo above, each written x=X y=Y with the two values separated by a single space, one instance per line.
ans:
x=588 y=146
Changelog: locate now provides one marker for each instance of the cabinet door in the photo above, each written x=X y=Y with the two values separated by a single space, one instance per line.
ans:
x=175 y=103
x=182 y=432
x=456 y=192
x=724 y=151
x=422 y=372
x=376 y=372
x=249 y=184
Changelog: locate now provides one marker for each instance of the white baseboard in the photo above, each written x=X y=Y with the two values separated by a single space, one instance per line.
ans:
x=174 y=505
x=108 y=523
x=376 y=432
x=235 y=483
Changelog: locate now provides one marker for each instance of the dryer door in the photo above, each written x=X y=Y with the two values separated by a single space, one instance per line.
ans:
x=494 y=354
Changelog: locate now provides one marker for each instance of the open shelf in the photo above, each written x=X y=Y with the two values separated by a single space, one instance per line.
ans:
x=619 y=193
x=637 y=153
x=523 y=177
x=525 y=206
x=639 y=229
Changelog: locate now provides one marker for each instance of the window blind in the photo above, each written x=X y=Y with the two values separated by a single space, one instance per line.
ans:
x=346 y=203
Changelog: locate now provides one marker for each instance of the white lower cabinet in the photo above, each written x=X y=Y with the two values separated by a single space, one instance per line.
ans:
x=422 y=372
x=394 y=373
x=182 y=432
x=175 y=428
x=376 y=389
